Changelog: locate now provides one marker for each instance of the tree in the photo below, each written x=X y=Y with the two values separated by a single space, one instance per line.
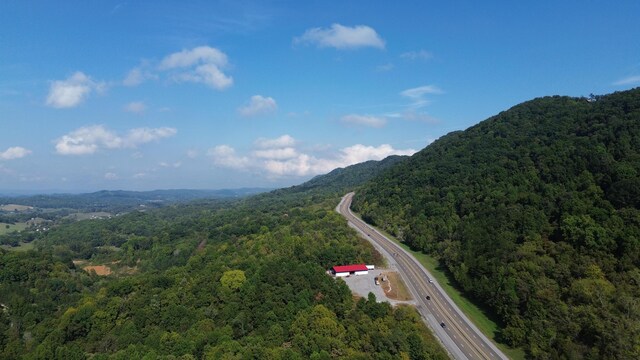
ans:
x=233 y=279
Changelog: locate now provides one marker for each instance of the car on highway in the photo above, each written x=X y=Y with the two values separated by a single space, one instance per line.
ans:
x=443 y=325
x=428 y=297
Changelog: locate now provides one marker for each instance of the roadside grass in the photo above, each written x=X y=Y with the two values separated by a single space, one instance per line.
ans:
x=477 y=315
x=12 y=227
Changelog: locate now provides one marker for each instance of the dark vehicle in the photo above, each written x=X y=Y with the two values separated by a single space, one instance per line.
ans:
x=442 y=324
x=428 y=297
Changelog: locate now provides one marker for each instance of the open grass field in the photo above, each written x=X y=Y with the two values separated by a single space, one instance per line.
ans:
x=480 y=317
x=14 y=207
x=7 y=228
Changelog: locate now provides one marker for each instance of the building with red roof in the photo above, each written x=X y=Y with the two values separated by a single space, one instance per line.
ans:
x=346 y=270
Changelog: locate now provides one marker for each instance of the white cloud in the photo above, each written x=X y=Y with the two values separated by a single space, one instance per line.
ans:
x=280 y=142
x=359 y=153
x=201 y=64
x=72 y=91
x=365 y=120
x=284 y=153
x=417 y=55
x=15 y=152
x=89 y=139
x=111 y=176
x=258 y=105
x=136 y=107
x=225 y=156
x=420 y=91
x=197 y=55
x=417 y=95
x=630 y=80
x=139 y=175
x=285 y=160
x=139 y=136
x=342 y=37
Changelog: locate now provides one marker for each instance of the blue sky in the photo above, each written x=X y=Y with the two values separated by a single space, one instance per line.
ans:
x=147 y=95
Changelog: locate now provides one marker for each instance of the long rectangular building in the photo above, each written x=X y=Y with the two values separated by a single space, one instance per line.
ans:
x=346 y=270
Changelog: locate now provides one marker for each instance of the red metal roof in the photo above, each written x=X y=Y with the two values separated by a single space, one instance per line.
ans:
x=350 y=268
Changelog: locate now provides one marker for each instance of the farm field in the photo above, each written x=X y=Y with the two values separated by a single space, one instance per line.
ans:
x=7 y=228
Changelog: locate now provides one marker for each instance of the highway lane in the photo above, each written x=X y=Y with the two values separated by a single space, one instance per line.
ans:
x=461 y=338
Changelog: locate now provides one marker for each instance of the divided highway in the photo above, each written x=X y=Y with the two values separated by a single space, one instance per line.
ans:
x=461 y=338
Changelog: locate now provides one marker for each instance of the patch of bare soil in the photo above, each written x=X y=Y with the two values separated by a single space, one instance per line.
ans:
x=101 y=270
x=394 y=287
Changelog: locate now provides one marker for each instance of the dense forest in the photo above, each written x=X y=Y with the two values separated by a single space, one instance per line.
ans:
x=204 y=280
x=536 y=214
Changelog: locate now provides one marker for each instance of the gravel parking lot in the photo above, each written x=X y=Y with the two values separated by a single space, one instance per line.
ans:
x=362 y=285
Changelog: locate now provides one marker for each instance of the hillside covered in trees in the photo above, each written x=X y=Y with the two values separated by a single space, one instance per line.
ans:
x=205 y=280
x=536 y=214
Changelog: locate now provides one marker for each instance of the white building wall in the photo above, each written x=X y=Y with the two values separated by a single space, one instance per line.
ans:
x=342 y=274
x=364 y=272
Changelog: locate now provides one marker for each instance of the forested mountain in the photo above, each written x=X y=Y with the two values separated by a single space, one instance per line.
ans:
x=204 y=280
x=535 y=212
x=342 y=180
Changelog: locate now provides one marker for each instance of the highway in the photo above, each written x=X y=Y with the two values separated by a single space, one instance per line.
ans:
x=455 y=331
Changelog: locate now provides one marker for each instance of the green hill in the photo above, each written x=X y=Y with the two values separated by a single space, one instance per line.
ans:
x=203 y=280
x=535 y=212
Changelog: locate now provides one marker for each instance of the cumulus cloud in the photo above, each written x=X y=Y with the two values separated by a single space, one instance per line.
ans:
x=417 y=95
x=111 y=176
x=15 y=152
x=417 y=55
x=139 y=136
x=72 y=91
x=342 y=37
x=630 y=80
x=284 y=153
x=89 y=139
x=364 y=120
x=281 y=159
x=258 y=105
x=136 y=107
x=225 y=156
x=201 y=64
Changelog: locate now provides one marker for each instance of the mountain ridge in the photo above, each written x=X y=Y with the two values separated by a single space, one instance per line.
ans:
x=535 y=213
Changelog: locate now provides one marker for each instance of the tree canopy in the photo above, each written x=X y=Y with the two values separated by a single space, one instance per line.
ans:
x=535 y=213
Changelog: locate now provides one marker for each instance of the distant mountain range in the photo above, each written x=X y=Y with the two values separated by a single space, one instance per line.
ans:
x=120 y=198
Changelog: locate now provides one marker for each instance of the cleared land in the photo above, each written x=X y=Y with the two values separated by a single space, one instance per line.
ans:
x=14 y=207
x=7 y=228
